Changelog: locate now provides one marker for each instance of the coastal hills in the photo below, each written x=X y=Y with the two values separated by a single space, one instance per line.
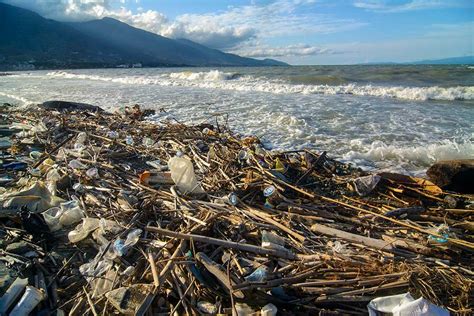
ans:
x=30 y=41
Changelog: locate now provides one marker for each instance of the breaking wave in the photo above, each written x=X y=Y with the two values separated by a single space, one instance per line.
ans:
x=424 y=155
x=216 y=79
x=213 y=75
x=22 y=101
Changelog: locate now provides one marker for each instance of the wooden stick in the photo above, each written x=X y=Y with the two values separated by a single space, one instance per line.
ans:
x=369 y=242
x=154 y=271
x=224 y=243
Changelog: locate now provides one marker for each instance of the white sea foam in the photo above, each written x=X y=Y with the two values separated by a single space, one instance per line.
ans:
x=213 y=75
x=425 y=155
x=22 y=101
x=215 y=79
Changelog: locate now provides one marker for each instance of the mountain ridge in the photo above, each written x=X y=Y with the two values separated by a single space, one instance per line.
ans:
x=458 y=60
x=30 y=41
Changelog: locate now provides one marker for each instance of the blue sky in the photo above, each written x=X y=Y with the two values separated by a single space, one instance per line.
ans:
x=295 y=31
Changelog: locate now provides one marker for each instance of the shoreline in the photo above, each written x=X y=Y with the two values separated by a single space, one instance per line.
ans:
x=296 y=224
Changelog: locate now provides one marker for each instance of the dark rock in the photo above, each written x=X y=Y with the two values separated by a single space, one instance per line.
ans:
x=70 y=106
x=454 y=175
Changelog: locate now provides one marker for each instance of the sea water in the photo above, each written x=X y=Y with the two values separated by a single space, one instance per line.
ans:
x=397 y=118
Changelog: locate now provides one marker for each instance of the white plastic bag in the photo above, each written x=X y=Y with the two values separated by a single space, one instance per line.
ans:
x=404 y=305
x=365 y=185
x=182 y=173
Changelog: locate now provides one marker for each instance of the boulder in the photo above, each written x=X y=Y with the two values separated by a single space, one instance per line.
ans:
x=454 y=175
x=70 y=106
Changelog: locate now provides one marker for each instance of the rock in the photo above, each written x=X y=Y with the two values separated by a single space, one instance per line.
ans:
x=454 y=175
x=70 y=106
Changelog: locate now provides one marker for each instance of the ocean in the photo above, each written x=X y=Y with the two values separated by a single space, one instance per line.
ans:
x=391 y=118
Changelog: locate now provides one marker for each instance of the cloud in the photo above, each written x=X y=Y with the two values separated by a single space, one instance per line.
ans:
x=285 y=51
x=390 y=6
x=68 y=10
x=237 y=27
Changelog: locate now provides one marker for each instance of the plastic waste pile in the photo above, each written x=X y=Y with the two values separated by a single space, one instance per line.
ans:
x=109 y=213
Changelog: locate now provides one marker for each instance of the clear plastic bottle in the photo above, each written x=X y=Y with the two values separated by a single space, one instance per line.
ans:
x=122 y=247
x=76 y=164
x=72 y=213
x=83 y=230
x=28 y=301
x=52 y=178
x=148 y=142
x=269 y=310
x=80 y=141
x=92 y=173
x=112 y=134
x=129 y=140
x=51 y=217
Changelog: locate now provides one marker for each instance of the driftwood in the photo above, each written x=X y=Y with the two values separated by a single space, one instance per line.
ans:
x=286 y=228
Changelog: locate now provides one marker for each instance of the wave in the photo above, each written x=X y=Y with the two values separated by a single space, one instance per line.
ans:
x=21 y=100
x=424 y=155
x=213 y=75
x=216 y=79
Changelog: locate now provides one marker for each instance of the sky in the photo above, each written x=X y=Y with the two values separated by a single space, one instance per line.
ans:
x=294 y=31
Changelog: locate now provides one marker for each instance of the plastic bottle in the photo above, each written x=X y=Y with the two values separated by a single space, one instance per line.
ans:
x=122 y=247
x=72 y=213
x=35 y=172
x=76 y=164
x=52 y=178
x=83 y=230
x=258 y=275
x=112 y=134
x=35 y=154
x=148 y=142
x=129 y=140
x=272 y=241
x=182 y=173
x=269 y=310
x=92 y=173
x=233 y=199
x=46 y=165
x=80 y=141
x=28 y=301
x=51 y=217
x=78 y=187
x=156 y=164
x=12 y=293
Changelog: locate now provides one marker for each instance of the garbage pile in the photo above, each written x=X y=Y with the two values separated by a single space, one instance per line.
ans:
x=108 y=213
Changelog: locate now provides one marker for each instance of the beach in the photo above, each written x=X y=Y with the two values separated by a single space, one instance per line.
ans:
x=113 y=212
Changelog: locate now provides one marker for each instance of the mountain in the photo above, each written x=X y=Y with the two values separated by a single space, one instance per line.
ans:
x=464 y=60
x=27 y=40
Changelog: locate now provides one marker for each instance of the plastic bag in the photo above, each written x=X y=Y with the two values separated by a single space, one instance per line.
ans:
x=404 y=304
x=182 y=173
x=37 y=199
x=365 y=185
